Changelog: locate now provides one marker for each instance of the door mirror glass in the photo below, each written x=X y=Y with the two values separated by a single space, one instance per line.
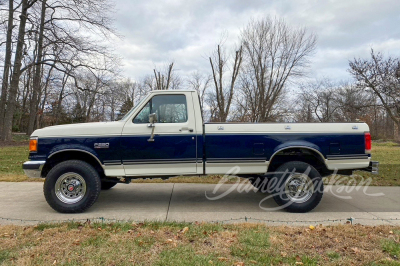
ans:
x=152 y=118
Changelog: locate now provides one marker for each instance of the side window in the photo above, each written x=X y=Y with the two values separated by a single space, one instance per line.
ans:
x=143 y=116
x=168 y=108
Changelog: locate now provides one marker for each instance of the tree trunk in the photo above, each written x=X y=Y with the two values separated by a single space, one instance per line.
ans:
x=8 y=119
x=7 y=66
x=33 y=108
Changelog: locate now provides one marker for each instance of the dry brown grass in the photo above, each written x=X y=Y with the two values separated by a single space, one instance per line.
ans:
x=198 y=244
x=18 y=178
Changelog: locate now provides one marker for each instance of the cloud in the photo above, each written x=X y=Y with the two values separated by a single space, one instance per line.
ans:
x=186 y=32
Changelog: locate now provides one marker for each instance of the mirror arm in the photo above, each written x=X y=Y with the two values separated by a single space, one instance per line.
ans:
x=151 y=139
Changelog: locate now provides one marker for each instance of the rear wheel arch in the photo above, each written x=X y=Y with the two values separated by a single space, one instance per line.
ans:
x=75 y=154
x=302 y=154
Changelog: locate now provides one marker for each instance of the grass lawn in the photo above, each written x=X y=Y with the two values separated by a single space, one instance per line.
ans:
x=155 y=243
x=387 y=153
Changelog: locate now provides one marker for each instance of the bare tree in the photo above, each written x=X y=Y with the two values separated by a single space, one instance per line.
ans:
x=354 y=103
x=199 y=83
x=50 y=37
x=382 y=76
x=320 y=98
x=7 y=64
x=224 y=92
x=274 y=54
x=16 y=73
x=33 y=108
x=163 y=82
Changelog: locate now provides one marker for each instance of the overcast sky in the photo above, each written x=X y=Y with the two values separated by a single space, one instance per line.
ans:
x=186 y=31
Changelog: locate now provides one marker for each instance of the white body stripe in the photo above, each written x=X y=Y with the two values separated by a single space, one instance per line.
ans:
x=279 y=128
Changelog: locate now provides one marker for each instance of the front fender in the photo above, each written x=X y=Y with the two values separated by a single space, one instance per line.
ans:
x=71 y=147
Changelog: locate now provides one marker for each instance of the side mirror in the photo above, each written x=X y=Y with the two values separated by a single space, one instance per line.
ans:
x=152 y=118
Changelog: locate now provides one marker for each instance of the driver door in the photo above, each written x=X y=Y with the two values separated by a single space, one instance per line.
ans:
x=173 y=151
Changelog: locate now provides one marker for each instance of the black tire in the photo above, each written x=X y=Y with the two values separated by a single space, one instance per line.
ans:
x=283 y=173
x=107 y=185
x=82 y=169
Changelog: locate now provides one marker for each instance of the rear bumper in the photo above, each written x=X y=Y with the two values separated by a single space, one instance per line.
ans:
x=372 y=168
x=33 y=168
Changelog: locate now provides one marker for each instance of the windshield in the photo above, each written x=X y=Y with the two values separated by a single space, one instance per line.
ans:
x=132 y=110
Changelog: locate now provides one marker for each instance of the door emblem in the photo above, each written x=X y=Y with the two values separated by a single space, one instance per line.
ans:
x=102 y=145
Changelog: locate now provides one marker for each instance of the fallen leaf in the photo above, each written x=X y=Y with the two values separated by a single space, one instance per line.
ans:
x=184 y=230
x=299 y=263
x=222 y=259
x=312 y=227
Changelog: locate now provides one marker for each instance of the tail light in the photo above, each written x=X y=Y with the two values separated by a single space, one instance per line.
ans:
x=368 y=142
x=33 y=145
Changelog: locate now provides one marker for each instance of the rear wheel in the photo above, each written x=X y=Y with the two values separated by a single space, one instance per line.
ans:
x=299 y=187
x=72 y=186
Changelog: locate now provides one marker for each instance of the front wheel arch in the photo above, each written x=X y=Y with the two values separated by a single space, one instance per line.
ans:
x=65 y=155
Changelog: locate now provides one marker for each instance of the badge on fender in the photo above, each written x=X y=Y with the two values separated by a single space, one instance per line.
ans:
x=102 y=145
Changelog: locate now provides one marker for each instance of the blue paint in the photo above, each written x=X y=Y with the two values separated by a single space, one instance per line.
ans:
x=167 y=147
x=48 y=146
x=215 y=146
x=241 y=145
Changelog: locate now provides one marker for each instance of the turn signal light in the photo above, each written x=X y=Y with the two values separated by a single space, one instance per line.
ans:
x=33 y=145
x=368 y=142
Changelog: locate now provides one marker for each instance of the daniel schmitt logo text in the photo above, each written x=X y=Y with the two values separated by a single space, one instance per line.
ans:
x=273 y=185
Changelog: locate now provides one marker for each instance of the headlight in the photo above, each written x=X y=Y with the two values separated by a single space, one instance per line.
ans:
x=33 y=143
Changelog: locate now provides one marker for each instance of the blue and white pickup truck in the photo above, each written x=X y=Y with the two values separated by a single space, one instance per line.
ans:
x=164 y=136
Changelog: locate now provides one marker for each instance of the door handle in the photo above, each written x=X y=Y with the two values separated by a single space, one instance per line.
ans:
x=186 y=128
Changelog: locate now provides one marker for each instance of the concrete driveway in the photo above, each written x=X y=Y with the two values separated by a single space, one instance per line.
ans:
x=24 y=203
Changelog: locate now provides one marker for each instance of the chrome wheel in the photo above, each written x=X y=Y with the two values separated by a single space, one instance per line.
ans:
x=70 y=188
x=299 y=188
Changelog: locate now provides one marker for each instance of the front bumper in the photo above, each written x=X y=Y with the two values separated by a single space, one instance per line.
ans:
x=33 y=168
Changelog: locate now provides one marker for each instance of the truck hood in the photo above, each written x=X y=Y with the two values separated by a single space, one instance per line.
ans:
x=83 y=129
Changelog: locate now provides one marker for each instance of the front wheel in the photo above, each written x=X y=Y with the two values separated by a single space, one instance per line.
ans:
x=298 y=187
x=72 y=186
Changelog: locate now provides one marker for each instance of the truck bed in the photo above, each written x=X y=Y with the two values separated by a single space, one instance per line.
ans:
x=253 y=146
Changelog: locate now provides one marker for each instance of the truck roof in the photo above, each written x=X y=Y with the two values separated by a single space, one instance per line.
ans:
x=167 y=91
